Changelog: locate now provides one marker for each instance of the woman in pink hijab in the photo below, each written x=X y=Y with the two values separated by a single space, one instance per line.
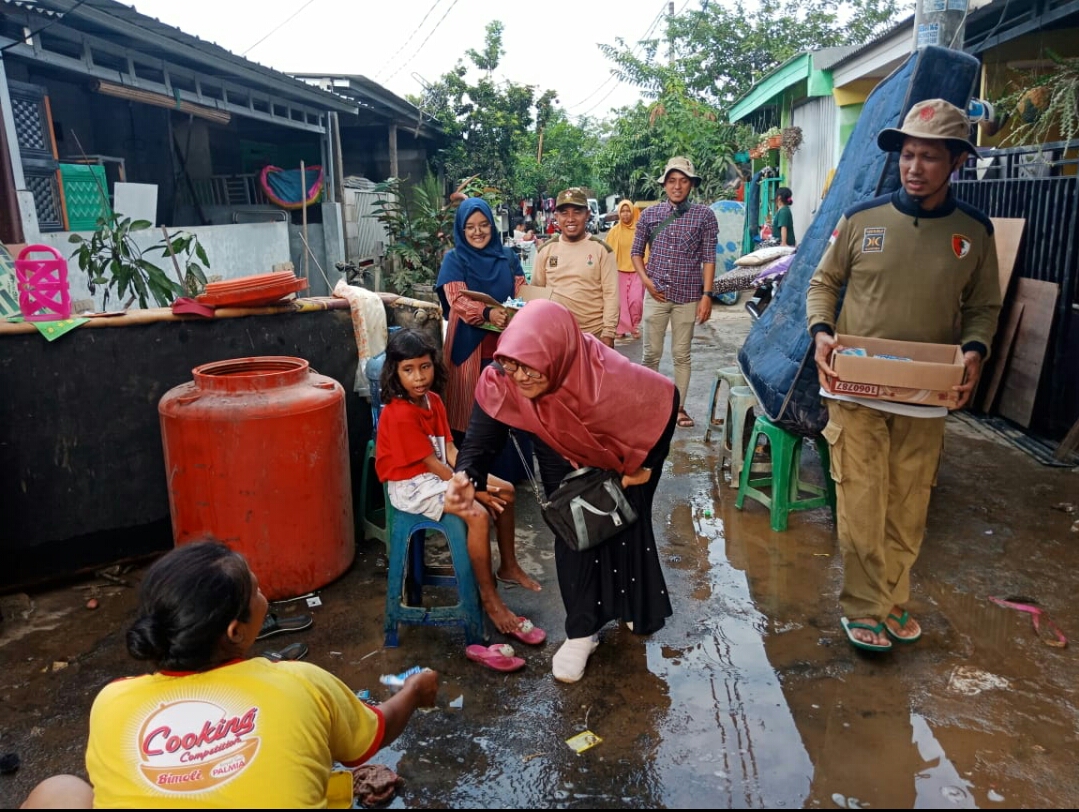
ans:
x=584 y=404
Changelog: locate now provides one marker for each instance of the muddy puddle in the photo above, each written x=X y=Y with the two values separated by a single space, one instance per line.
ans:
x=749 y=697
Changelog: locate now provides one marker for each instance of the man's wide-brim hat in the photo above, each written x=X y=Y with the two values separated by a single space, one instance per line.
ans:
x=932 y=119
x=680 y=164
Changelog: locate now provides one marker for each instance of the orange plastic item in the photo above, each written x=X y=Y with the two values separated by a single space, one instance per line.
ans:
x=256 y=456
x=260 y=289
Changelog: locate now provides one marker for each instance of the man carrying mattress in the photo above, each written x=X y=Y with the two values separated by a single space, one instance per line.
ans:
x=918 y=265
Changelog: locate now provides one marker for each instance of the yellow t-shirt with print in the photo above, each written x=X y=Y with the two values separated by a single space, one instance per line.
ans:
x=251 y=733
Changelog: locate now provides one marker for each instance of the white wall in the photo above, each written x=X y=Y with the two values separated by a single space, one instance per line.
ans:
x=233 y=251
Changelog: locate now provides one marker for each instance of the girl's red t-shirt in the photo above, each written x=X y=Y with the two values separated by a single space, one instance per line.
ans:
x=408 y=434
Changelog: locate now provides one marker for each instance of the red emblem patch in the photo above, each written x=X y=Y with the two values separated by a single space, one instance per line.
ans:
x=926 y=113
x=960 y=245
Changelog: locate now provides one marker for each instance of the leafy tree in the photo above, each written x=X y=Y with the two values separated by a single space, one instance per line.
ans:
x=715 y=54
x=485 y=120
x=566 y=156
x=721 y=50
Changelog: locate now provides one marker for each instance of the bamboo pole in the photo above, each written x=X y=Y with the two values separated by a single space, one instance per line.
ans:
x=303 y=192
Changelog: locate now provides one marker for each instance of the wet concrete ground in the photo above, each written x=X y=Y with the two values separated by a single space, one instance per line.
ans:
x=750 y=697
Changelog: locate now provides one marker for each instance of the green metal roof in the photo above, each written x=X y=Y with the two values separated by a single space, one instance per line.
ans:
x=793 y=70
x=796 y=69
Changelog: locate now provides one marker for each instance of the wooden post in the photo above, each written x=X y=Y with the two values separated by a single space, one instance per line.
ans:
x=394 y=169
x=303 y=193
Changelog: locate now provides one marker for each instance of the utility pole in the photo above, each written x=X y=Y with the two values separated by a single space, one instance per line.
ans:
x=939 y=22
x=670 y=34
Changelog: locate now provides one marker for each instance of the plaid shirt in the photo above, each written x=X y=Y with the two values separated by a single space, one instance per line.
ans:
x=679 y=251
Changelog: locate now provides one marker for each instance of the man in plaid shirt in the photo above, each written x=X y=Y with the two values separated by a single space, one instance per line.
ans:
x=679 y=274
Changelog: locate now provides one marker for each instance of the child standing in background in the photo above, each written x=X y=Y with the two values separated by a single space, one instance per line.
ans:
x=783 y=221
x=414 y=456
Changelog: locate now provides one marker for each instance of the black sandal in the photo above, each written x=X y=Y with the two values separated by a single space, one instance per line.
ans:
x=293 y=651
x=275 y=625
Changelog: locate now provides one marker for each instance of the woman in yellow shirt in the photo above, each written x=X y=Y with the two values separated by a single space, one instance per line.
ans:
x=630 y=287
x=210 y=728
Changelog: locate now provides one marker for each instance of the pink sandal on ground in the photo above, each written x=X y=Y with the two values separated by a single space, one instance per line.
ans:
x=527 y=632
x=498 y=657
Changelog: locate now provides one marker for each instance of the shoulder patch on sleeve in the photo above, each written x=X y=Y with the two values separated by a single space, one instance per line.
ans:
x=977 y=214
x=867 y=204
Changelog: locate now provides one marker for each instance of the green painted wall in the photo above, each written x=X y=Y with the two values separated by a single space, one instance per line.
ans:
x=848 y=117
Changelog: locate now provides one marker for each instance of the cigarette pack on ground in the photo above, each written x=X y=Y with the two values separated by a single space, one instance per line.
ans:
x=927 y=378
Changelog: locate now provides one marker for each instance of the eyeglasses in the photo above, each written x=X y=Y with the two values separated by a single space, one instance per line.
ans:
x=512 y=366
x=481 y=229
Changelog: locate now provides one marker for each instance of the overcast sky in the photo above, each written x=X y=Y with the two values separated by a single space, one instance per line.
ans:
x=552 y=45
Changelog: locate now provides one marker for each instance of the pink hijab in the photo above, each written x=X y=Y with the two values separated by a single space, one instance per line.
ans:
x=601 y=409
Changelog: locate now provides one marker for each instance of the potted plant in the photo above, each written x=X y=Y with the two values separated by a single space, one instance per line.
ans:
x=790 y=140
x=112 y=257
x=1043 y=102
x=771 y=138
x=419 y=222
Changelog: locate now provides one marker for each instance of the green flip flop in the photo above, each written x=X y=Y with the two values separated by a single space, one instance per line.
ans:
x=854 y=641
x=901 y=621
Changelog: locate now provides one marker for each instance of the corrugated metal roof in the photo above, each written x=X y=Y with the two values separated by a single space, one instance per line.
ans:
x=908 y=22
x=125 y=26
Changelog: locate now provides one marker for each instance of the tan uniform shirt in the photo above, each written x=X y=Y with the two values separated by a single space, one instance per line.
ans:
x=929 y=276
x=583 y=276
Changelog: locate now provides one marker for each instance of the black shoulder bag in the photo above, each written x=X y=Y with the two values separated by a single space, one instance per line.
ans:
x=587 y=508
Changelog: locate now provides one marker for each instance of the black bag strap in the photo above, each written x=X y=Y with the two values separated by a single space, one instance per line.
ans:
x=540 y=496
x=662 y=224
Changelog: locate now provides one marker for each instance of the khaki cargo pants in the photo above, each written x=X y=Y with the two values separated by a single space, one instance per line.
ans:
x=884 y=466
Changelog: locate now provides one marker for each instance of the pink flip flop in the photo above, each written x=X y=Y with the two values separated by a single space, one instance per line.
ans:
x=498 y=657
x=528 y=633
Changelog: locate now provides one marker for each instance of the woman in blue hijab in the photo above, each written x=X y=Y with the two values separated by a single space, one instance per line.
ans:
x=478 y=262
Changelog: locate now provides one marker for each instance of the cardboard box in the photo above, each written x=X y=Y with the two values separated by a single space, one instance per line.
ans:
x=526 y=294
x=927 y=378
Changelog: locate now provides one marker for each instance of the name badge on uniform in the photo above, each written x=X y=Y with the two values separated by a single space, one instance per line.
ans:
x=873 y=240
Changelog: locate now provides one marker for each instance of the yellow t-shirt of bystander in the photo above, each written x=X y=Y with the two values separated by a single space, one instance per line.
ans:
x=250 y=733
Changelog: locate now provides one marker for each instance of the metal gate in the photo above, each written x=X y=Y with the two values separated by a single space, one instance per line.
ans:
x=1027 y=182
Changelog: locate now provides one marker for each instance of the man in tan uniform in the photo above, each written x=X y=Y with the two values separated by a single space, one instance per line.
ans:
x=580 y=270
x=918 y=265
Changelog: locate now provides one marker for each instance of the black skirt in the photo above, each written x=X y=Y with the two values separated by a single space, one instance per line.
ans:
x=622 y=579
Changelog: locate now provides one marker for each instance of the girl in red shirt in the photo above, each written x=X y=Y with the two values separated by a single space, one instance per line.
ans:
x=415 y=455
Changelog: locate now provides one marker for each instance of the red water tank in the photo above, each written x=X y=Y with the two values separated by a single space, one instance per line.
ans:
x=256 y=456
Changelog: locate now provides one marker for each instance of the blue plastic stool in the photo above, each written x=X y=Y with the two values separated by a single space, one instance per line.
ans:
x=408 y=574
x=787 y=490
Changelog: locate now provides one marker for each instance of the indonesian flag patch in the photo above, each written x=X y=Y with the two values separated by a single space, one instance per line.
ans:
x=960 y=245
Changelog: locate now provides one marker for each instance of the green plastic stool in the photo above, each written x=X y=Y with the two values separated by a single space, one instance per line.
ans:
x=740 y=402
x=787 y=487
x=374 y=503
x=733 y=377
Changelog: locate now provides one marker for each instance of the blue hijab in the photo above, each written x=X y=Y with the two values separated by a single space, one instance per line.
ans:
x=489 y=270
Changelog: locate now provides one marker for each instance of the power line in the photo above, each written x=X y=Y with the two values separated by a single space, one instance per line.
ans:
x=613 y=76
x=607 y=81
x=433 y=30
x=650 y=30
x=30 y=35
x=279 y=27
x=415 y=31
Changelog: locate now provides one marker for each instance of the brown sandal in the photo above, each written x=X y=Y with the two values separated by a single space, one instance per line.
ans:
x=685 y=421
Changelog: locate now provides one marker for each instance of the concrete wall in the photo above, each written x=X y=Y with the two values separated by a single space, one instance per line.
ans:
x=327 y=244
x=233 y=251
